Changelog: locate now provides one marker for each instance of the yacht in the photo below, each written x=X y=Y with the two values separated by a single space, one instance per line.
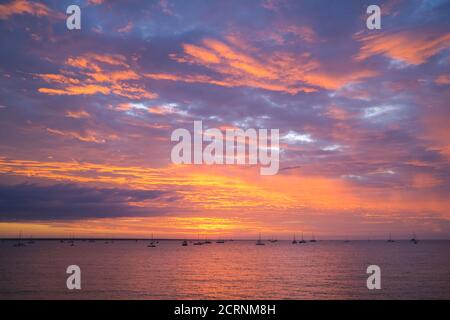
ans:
x=152 y=243
x=390 y=238
x=198 y=242
x=303 y=240
x=20 y=243
x=294 y=241
x=259 y=242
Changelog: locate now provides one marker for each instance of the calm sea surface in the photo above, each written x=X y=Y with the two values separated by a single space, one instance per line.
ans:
x=233 y=270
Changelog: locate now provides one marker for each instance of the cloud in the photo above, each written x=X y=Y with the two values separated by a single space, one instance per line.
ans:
x=127 y=28
x=77 y=114
x=95 y=2
x=443 y=79
x=166 y=7
x=377 y=111
x=23 y=7
x=272 y=5
x=69 y=201
x=88 y=136
x=412 y=46
x=94 y=73
x=279 y=71
x=294 y=137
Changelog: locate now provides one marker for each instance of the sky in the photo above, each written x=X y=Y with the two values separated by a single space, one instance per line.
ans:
x=86 y=118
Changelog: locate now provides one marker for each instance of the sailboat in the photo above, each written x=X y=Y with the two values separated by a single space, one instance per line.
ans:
x=414 y=239
x=184 y=243
x=151 y=244
x=303 y=240
x=390 y=238
x=19 y=243
x=313 y=238
x=198 y=242
x=294 y=241
x=72 y=241
x=259 y=242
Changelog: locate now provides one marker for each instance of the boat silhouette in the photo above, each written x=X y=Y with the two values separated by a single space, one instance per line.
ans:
x=259 y=242
x=303 y=240
x=30 y=241
x=19 y=243
x=198 y=242
x=390 y=238
x=414 y=239
x=152 y=243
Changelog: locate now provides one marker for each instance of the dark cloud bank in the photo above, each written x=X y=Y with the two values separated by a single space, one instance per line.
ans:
x=69 y=201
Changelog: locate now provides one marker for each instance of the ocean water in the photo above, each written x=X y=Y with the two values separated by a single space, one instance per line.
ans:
x=233 y=270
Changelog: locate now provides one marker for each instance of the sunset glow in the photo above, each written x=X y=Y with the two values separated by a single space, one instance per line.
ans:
x=86 y=118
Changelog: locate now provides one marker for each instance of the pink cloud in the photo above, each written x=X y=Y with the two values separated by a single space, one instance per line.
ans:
x=413 y=47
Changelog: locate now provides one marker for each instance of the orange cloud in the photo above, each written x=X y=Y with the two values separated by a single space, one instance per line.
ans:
x=227 y=189
x=77 y=114
x=422 y=180
x=413 y=47
x=337 y=113
x=279 y=71
x=76 y=90
x=233 y=200
x=95 y=2
x=92 y=77
x=202 y=54
x=49 y=77
x=443 y=79
x=88 y=136
x=21 y=7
